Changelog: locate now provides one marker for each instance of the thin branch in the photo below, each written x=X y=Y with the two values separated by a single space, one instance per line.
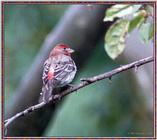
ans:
x=23 y=113
x=84 y=82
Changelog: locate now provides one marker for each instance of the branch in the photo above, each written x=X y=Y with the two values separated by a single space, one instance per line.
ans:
x=23 y=113
x=84 y=82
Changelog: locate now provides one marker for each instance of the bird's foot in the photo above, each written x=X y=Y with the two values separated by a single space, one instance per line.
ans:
x=57 y=96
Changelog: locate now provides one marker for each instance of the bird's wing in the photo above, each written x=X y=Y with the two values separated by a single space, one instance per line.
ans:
x=63 y=69
x=57 y=72
x=47 y=72
x=48 y=78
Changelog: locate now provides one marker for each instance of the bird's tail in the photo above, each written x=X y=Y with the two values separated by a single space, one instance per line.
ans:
x=46 y=93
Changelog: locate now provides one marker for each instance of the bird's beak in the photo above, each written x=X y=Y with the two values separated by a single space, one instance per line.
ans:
x=70 y=50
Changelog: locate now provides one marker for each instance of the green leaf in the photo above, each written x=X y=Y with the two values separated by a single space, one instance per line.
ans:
x=115 y=38
x=136 y=21
x=149 y=9
x=120 y=10
x=135 y=8
x=145 y=32
x=151 y=31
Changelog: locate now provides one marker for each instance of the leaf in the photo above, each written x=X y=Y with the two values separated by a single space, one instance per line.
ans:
x=120 y=10
x=136 y=7
x=149 y=9
x=145 y=31
x=137 y=20
x=115 y=38
x=151 y=31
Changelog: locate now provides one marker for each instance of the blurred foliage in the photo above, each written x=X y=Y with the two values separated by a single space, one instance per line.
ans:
x=120 y=10
x=101 y=109
x=114 y=38
x=136 y=16
x=25 y=28
x=146 y=32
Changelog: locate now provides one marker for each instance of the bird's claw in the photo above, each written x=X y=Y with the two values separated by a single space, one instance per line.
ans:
x=57 y=96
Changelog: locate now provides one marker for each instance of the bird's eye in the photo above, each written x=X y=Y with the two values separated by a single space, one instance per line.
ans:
x=64 y=48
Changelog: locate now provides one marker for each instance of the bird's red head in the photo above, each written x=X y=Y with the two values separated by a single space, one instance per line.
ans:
x=61 y=49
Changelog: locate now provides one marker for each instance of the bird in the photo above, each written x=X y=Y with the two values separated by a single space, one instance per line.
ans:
x=59 y=71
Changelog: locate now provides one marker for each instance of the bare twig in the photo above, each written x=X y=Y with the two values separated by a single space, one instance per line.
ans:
x=84 y=82
x=23 y=113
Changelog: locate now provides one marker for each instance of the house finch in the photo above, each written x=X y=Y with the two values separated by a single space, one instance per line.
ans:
x=59 y=70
